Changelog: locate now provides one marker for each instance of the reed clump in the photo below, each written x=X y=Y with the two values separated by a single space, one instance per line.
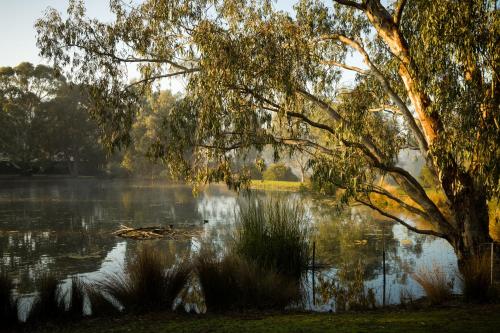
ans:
x=274 y=234
x=475 y=278
x=234 y=283
x=49 y=303
x=435 y=283
x=150 y=282
x=8 y=304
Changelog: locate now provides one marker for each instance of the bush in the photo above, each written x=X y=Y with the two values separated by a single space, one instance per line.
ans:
x=8 y=306
x=49 y=303
x=435 y=283
x=149 y=282
x=232 y=283
x=279 y=171
x=274 y=234
x=476 y=279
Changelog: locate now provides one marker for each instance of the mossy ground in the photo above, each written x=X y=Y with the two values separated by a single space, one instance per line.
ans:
x=457 y=319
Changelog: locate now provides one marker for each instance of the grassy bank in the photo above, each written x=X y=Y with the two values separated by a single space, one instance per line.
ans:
x=473 y=319
x=276 y=185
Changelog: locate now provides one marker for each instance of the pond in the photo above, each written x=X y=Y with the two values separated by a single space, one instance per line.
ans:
x=65 y=226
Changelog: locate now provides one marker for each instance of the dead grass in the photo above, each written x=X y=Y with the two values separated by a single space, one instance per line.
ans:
x=436 y=284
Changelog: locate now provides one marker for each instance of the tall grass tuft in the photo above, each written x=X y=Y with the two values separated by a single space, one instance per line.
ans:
x=100 y=304
x=476 y=280
x=8 y=305
x=76 y=298
x=149 y=282
x=274 y=234
x=233 y=283
x=435 y=282
x=49 y=303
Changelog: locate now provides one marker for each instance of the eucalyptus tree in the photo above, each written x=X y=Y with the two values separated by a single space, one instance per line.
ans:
x=257 y=76
x=23 y=89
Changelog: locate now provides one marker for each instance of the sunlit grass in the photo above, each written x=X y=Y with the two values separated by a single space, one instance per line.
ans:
x=277 y=185
x=435 y=283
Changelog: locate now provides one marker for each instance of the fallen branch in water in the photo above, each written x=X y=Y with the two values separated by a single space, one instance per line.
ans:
x=144 y=233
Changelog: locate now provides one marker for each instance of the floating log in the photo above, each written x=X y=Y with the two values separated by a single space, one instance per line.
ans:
x=145 y=233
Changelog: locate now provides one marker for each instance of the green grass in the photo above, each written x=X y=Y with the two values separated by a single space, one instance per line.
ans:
x=473 y=319
x=277 y=185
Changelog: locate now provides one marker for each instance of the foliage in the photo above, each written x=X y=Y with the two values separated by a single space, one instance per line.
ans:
x=232 y=283
x=150 y=282
x=8 y=304
x=475 y=279
x=435 y=283
x=274 y=234
x=260 y=77
x=279 y=171
x=45 y=119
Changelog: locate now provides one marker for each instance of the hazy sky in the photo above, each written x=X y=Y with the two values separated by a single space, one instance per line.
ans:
x=18 y=36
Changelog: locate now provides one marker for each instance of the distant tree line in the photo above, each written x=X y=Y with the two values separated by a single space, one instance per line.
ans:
x=47 y=127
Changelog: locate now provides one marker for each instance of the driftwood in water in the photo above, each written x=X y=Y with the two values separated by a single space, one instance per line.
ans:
x=156 y=233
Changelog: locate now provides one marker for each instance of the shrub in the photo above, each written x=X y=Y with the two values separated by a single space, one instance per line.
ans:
x=149 y=282
x=8 y=305
x=274 y=234
x=232 y=283
x=279 y=171
x=49 y=303
x=435 y=283
x=476 y=280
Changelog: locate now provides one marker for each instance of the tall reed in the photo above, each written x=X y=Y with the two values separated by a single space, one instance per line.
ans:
x=234 y=283
x=436 y=284
x=149 y=282
x=8 y=305
x=274 y=234
x=49 y=303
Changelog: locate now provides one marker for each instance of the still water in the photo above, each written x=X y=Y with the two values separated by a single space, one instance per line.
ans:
x=65 y=227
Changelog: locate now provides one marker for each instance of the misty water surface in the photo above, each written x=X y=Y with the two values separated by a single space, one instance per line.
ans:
x=65 y=227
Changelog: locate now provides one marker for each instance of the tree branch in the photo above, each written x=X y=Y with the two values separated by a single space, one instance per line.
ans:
x=399 y=11
x=345 y=66
x=400 y=221
x=153 y=78
x=352 y=4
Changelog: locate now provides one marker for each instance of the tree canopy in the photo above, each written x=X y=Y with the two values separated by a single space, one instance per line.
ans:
x=257 y=76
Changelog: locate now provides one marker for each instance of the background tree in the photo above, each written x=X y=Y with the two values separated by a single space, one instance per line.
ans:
x=22 y=91
x=259 y=77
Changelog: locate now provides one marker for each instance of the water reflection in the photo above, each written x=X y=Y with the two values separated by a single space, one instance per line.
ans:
x=65 y=227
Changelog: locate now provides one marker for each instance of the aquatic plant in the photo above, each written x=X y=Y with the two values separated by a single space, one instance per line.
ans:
x=149 y=282
x=435 y=283
x=76 y=298
x=475 y=278
x=274 y=234
x=49 y=303
x=8 y=304
x=234 y=283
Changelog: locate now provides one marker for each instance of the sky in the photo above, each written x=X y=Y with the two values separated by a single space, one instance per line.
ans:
x=18 y=35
